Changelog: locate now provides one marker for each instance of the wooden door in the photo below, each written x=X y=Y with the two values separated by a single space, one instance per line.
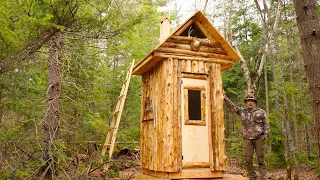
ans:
x=194 y=128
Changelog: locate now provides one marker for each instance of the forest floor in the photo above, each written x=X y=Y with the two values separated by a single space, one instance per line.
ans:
x=304 y=173
x=233 y=167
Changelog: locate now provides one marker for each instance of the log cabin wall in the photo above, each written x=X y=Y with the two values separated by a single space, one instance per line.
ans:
x=209 y=59
x=195 y=67
x=216 y=116
x=160 y=128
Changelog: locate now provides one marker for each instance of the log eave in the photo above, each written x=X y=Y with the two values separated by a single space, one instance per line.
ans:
x=147 y=63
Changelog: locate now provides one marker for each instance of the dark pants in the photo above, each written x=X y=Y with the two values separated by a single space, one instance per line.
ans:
x=249 y=147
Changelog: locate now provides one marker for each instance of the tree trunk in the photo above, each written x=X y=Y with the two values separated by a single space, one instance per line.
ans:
x=72 y=129
x=285 y=125
x=309 y=29
x=287 y=134
x=266 y=89
x=225 y=19
x=294 y=127
x=294 y=112
x=226 y=122
x=307 y=145
x=1 y=107
x=279 y=117
x=229 y=30
x=53 y=110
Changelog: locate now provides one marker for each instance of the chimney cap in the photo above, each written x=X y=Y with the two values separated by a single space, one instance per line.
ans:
x=164 y=19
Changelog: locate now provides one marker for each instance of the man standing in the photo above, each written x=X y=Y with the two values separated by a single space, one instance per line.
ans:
x=255 y=129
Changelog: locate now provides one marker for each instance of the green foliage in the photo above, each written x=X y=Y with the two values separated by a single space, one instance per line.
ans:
x=275 y=143
x=105 y=158
x=59 y=154
x=308 y=159
x=114 y=172
x=234 y=147
x=275 y=160
x=9 y=36
x=302 y=118
x=246 y=28
x=5 y=174
x=101 y=39
x=233 y=82
x=22 y=174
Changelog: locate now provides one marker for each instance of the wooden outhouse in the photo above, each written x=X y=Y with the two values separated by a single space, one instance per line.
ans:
x=182 y=125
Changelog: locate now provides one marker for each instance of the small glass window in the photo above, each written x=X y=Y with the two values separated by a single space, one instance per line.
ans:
x=194 y=104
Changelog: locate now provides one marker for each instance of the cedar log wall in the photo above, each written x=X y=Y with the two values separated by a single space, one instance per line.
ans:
x=160 y=142
x=160 y=137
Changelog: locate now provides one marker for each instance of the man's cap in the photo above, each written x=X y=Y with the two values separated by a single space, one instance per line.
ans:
x=250 y=97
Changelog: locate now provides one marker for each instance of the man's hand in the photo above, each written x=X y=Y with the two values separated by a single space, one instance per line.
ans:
x=223 y=92
x=225 y=97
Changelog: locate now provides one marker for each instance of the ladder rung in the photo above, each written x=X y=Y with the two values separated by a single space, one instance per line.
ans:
x=113 y=128
x=129 y=66
x=116 y=112
x=125 y=81
x=106 y=145
x=120 y=96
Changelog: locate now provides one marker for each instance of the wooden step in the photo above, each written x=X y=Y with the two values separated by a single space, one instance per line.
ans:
x=121 y=96
x=112 y=128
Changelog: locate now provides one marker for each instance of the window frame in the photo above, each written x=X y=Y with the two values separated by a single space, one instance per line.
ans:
x=202 y=121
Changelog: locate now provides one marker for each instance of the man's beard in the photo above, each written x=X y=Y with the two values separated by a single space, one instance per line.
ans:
x=250 y=106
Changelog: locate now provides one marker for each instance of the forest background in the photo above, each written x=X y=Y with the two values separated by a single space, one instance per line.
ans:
x=62 y=64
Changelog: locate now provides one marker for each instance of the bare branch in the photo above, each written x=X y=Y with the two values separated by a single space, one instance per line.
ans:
x=263 y=59
x=230 y=34
x=205 y=6
x=245 y=69
x=260 y=11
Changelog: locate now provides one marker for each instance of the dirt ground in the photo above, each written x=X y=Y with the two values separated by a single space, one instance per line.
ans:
x=234 y=170
x=304 y=173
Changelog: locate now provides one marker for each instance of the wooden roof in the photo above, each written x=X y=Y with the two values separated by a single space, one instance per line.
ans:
x=225 y=55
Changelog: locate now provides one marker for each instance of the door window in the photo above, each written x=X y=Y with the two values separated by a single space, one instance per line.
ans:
x=195 y=105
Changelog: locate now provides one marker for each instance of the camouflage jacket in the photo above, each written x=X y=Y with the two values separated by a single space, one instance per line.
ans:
x=254 y=122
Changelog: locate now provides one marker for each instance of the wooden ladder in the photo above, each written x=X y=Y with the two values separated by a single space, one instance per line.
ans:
x=113 y=129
